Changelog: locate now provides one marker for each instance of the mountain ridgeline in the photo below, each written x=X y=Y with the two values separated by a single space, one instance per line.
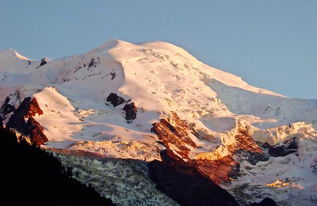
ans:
x=152 y=112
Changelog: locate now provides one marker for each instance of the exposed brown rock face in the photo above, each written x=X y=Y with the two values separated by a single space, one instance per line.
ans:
x=245 y=142
x=33 y=109
x=22 y=120
x=36 y=132
x=216 y=170
x=245 y=148
x=174 y=132
x=175 y=135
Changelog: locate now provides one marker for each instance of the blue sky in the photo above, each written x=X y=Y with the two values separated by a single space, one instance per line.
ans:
x=270 y=44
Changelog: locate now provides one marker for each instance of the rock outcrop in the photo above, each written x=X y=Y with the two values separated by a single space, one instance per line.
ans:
x=6 y=109
x=287 y=147
x=129 y=107
x=43 y=61
x=176 y=134
x=92 y=63
x=130 y=111
x=115 y=99
x=23 y=121
x=9 y=105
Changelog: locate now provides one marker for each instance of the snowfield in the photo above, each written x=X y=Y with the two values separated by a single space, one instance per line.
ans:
x=161 y=78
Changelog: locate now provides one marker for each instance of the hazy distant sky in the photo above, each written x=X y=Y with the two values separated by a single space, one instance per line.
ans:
x=269 y=43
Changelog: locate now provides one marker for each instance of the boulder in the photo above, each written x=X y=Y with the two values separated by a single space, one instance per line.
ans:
x=130 y=111
x=115 y=99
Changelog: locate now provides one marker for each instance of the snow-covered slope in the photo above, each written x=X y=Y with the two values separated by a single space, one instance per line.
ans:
x=106 y=101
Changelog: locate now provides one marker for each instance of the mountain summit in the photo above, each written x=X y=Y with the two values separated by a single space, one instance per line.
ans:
x=139 y=101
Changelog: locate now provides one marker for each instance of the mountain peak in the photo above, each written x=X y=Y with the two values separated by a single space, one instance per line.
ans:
x=121 y=99
x=11 y=53
x=112 y=43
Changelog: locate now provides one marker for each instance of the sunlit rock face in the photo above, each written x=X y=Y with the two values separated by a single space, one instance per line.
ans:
x=23 y=121
x=176 y=135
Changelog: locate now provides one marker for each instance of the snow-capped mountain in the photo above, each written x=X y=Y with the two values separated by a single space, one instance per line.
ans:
x=135 y=101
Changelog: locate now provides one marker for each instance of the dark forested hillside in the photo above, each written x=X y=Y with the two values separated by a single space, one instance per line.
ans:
x=31 y=176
